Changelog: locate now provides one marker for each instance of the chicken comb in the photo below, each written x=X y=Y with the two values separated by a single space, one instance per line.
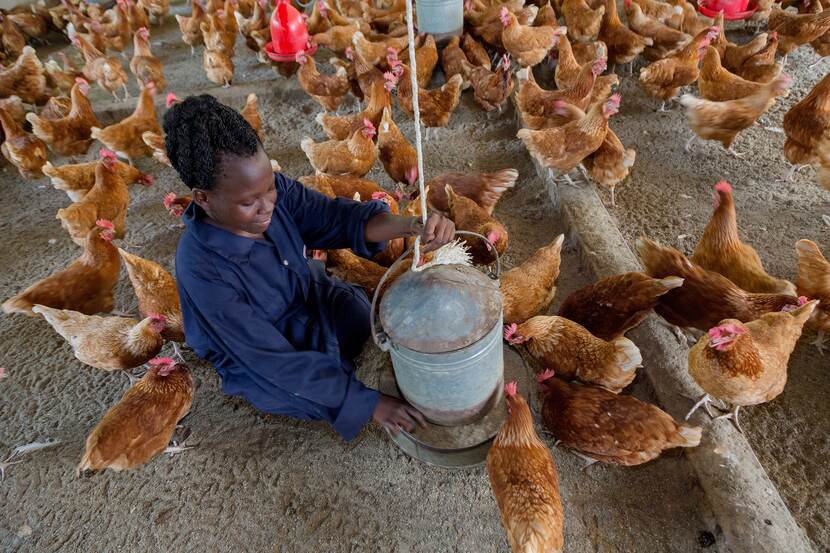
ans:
x=724 y=187
x=511 y=388
x=510 y=331
x=773 y=35
x=165 y=365
x=379 y=195
x=324 y=10
x=802 y=300
x=81 y=80
x=143 y=31
x=171 y=99
x=412 y=175
x=169 y=198
x=599 y=66
x=547 y=374
x=368 y=123
x=107 y=154
x=492 y=237
x=157 y=317
x=349 y=53
x=725 y=329
x=105 y=224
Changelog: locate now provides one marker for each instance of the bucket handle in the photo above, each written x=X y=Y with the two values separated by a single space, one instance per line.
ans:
x=380 y=337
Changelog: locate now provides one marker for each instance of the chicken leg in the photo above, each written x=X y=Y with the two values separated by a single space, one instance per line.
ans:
x=22 y=450
x=820 y=341
x=734 y=416
x=704 y=402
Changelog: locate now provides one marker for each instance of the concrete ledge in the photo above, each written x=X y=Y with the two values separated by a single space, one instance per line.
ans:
x=745 y=502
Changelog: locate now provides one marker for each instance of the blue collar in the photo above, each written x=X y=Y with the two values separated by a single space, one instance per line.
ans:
x=227 y=244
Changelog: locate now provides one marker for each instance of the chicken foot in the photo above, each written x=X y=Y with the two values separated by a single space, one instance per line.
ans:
x=815 y=63
x=22 y=450
x=734 y=417
x=131 y=378
x=690 y=142
x=820 y=341
x=584 y=172
x=794 y=168
x=177 y=352
x=704 y=402
x=588 y=460
x=731 y=151
x=177 y=447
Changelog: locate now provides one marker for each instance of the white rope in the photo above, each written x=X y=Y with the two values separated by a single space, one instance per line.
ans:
x=413 y=74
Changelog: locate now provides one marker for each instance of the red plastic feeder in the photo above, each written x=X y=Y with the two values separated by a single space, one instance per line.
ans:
x=289 y=34
x=732 y=9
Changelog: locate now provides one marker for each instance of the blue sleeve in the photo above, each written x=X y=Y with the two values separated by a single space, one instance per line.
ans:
x=270 y=361
x=327 y=223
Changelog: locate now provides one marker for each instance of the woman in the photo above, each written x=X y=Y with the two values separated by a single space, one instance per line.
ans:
x=279 y=331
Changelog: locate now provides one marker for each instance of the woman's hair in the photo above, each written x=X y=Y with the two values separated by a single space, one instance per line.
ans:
x=198 y=132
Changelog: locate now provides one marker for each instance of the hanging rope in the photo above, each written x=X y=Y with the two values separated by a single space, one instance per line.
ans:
x=413 y=74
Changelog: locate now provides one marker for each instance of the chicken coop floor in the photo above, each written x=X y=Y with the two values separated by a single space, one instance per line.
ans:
x=255 y=482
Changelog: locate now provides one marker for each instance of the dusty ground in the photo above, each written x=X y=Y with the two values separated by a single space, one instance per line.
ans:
x=262 y=483
x=668 y=197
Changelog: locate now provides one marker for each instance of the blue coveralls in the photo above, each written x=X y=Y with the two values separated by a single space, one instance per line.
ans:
x=280 y=332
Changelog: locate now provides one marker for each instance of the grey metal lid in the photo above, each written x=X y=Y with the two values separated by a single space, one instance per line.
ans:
x=440 y=309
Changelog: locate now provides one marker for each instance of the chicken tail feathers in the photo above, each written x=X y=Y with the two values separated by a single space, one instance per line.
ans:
x=690 y=101
x=17 y=304
x=669 y=283
x=689 y=436
x=307 y=146
x=627 y=355
x=495 y=185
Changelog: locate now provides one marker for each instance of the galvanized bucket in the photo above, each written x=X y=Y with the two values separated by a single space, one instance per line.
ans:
x=440 y=18
x=443 y=328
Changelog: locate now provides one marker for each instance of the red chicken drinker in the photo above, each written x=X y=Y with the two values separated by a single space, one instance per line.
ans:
x=289 y=34
x=732 y=9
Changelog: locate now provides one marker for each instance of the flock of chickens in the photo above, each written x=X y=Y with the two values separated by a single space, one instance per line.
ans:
x=749 y=320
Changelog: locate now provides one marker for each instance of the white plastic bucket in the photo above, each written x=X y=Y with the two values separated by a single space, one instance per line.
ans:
x=440 y=18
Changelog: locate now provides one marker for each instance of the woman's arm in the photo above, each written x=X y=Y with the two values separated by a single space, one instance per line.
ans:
x=384 y=226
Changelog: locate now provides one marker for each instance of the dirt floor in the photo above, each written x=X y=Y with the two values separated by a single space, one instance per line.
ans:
x=256 y=482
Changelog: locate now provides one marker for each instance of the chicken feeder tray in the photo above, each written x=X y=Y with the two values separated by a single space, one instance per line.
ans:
x=442 y=326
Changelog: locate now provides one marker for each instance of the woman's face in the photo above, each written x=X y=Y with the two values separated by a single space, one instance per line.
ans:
x=243 y=199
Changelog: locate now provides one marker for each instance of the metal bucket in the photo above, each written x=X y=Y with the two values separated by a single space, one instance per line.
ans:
x=443 y=329
x=456 y=387
x=441 y=18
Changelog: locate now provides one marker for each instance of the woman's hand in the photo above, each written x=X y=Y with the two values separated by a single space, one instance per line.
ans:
x=437 y=231
x=395 y=415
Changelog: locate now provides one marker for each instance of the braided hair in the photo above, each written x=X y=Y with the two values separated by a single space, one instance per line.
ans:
x=198 y=132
